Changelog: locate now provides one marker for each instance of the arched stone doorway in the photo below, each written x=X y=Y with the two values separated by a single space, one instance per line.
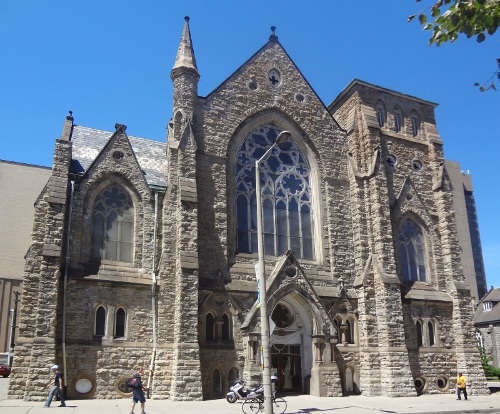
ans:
x=291 y=346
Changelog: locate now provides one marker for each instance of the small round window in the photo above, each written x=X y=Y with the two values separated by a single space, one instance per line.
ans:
x=420 y=384
x=442 y=382
x=118 y=155
x=391 y=160
x=282 y=316
x=417 y=165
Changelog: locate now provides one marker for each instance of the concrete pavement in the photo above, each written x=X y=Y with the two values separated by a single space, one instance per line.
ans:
x=299 y=404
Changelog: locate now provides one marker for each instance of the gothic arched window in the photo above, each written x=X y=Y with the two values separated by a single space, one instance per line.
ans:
x=398 y=119
x=415 y=124
x=226 y=328
x=113 y=224
x=209 y=327
x=412 y=253
x=432 y=338
x=120 y=323
x=420 y=334
x=286 y=196
x=380 y=114
x=100 y=321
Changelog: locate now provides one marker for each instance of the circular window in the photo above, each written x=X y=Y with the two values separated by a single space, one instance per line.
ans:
x=83 y=386
x=442 y=382
x=391 y=160
x=118 y=155
x=291 y=271
x=420 y=384
x=417 y=165
x=252 y=85
x=282 y=316
x=121 y=388
x=274 y=77
x=299 y=97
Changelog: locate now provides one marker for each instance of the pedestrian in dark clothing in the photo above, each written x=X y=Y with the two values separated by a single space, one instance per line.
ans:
x=57 y=387
x=138 y=393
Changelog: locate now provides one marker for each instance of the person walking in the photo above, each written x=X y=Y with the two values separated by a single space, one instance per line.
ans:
x=461 y=386
x=138 y=392
x=57 y=387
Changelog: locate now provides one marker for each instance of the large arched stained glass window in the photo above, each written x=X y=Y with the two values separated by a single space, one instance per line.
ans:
x=412 y=253
x=286 y=196
x=113 y=223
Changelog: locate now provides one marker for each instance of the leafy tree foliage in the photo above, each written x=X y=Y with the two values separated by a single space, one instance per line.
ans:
x=486 y=360
x=447 y=19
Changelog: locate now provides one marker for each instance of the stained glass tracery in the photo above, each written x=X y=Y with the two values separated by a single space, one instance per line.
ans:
x=286 y=196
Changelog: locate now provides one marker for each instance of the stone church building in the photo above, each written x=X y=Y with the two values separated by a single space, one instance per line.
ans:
x=144 y=253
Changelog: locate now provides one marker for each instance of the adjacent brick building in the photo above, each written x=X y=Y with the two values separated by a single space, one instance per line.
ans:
x=144 y=252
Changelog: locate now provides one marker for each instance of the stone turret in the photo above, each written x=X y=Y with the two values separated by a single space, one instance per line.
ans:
x=180 y=230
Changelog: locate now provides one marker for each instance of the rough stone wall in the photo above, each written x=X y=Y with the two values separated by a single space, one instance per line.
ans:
x=36 y=346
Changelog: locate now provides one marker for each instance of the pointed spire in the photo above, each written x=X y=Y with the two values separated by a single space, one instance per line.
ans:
x=185 y=54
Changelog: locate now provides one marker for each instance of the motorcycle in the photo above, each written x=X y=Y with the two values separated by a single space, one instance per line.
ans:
x=238 y=392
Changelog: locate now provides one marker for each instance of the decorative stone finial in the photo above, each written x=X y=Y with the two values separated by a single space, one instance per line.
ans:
x=186 y=18
x=273 y=36
x=122 y=127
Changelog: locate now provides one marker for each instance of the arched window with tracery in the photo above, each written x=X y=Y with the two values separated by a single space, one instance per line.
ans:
x=412 y=253
x=112 y=225
x=100 y=321
x=286 y=196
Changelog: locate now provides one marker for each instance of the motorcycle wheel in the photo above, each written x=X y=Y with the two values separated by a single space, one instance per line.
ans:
x=231 y=398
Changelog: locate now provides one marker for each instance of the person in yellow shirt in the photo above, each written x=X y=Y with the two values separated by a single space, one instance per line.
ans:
x=461 y=386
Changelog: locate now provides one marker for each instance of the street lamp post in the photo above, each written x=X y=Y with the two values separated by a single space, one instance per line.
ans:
x=264 y=321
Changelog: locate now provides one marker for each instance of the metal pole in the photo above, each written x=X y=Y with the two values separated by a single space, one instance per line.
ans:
x=264 y=321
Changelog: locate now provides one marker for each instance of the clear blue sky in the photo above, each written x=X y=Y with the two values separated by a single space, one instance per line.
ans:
x=109 y=61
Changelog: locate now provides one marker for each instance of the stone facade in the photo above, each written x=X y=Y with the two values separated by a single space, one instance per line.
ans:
x=347 y=317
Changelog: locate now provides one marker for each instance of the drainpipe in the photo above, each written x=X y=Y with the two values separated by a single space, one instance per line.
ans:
x=66 y=265
x=153 y=296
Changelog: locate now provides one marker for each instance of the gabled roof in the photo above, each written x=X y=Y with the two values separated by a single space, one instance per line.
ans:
x=151 y=155
x=273 y=40
x=482 y=316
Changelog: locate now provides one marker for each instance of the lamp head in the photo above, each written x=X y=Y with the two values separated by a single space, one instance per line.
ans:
x=283 y=136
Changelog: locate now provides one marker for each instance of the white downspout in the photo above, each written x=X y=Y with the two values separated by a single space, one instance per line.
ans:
x=66 y=265
x=153 y=296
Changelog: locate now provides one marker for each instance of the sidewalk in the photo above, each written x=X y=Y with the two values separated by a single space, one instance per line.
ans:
x=300 y=404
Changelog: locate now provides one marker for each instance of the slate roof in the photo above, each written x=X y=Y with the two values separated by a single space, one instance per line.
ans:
x=151 y=155
x=482 y=316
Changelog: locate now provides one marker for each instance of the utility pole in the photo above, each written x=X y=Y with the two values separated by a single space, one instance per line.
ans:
x=13 y=328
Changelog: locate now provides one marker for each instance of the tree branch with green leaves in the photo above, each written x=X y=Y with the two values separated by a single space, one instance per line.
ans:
x=447 y=19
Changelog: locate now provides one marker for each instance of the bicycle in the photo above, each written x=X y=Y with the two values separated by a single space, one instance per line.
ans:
x=256 y=405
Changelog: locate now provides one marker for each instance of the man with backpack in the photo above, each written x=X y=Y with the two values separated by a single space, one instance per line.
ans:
x=138 y=391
